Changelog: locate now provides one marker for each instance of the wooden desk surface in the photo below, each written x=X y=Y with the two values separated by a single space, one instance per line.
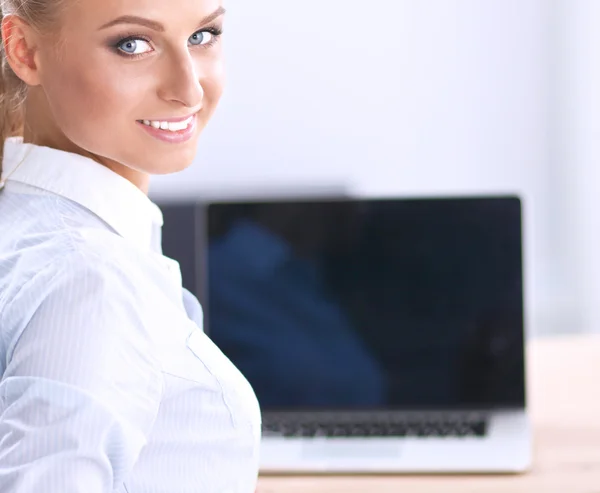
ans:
x=564 y=397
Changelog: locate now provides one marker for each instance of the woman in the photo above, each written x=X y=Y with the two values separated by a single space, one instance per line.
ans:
x=107 y=381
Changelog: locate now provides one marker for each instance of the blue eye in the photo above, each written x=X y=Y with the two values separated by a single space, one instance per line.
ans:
x=201 y=38
x=138 y=45
x=134 y=46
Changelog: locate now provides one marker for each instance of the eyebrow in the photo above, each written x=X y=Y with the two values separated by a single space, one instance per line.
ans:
x=154 y=25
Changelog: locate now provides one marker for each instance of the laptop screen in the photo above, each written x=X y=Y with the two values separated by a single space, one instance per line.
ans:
x=370 y=304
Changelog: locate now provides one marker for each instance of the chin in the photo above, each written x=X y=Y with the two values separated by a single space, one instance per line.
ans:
x=169 y=161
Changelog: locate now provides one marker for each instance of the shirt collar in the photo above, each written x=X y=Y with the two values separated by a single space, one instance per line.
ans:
x=117 y=201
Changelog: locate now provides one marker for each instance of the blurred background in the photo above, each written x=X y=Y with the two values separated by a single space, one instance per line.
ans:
x=417 y=98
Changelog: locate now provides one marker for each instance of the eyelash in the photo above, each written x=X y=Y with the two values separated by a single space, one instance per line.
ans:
x=215 y=31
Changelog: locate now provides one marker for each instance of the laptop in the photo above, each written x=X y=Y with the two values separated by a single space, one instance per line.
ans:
x=379 y=335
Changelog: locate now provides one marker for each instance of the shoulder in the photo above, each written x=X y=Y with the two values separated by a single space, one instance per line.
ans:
x=69 y=282
x=72 y=272
x=51 y=243
x=46 y=262
x=81 y=297
x=43 y=231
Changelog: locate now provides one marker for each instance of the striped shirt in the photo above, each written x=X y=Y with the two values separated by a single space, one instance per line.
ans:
x=108 y=383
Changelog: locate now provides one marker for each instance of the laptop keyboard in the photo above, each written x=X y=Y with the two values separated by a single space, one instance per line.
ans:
x=394 y=428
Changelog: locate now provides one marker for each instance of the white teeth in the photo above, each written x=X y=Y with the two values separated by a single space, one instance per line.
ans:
x=176 y=126
x=170 y=126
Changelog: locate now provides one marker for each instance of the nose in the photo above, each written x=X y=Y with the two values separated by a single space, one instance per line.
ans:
x=182 y=81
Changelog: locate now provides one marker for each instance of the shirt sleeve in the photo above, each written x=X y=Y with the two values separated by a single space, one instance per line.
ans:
x=193 y=308
x=81 y=388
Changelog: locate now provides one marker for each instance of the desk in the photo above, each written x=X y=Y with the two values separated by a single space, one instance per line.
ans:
x=564 y=397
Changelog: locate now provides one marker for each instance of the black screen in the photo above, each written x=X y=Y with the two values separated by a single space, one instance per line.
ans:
x=370 y=304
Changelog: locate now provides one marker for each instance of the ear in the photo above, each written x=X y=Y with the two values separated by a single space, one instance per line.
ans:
x=20 y=47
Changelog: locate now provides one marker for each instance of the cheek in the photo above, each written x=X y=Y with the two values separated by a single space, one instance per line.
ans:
x=85 y=97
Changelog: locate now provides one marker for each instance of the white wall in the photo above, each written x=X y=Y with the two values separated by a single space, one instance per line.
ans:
x=575 y=167
x=397 y=97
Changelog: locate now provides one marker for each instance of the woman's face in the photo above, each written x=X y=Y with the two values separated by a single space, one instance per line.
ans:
x=122 y=68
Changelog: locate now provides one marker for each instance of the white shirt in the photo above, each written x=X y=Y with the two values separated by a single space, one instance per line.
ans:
x=107 y=384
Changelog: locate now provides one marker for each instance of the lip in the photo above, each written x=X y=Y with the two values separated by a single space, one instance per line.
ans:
x=178 y=137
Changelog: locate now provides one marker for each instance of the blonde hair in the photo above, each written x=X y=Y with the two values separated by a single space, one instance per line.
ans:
x=39 y=14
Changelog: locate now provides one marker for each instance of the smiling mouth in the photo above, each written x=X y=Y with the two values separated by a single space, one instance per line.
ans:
x=171 y=126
